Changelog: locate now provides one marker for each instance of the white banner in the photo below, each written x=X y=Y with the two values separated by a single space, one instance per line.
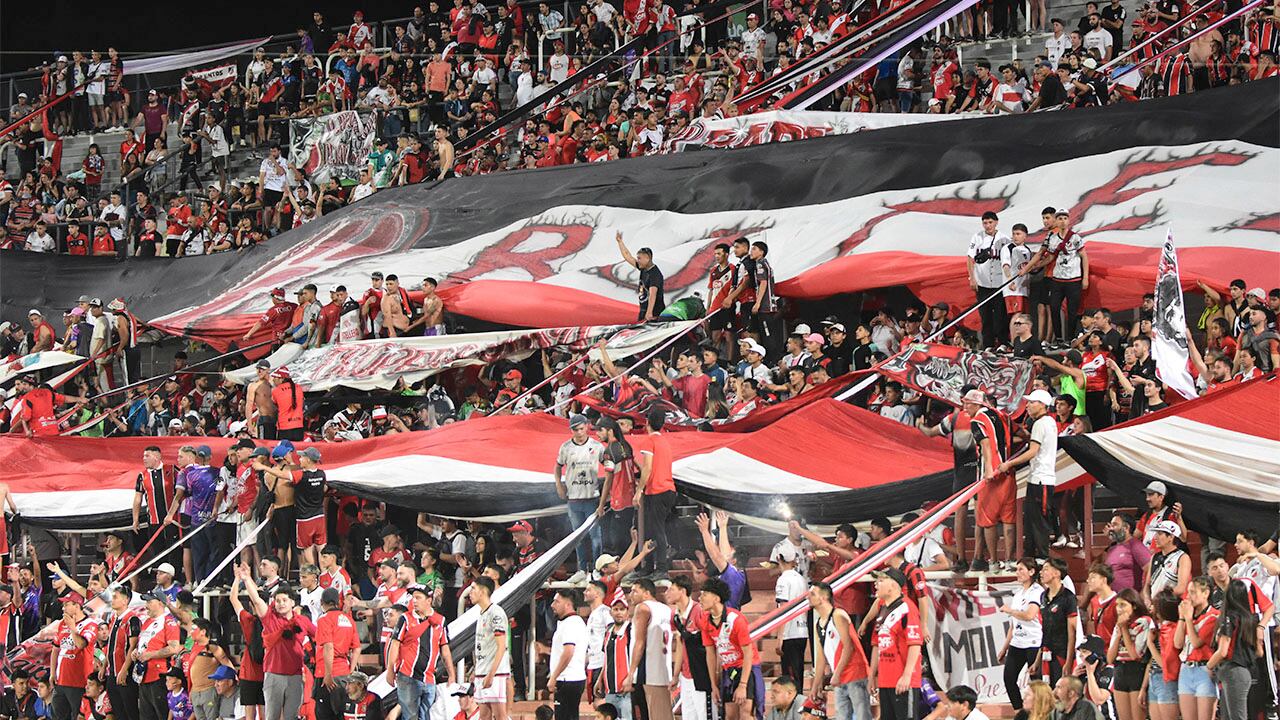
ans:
x=370 y=364
x=1169 y=324
x=36 y=361
x=216 y=77
x=967 y=632
x=334 y=145
x=785 y=125
x=182 y=61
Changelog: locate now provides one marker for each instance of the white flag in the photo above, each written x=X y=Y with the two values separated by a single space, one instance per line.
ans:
x=1170 y=325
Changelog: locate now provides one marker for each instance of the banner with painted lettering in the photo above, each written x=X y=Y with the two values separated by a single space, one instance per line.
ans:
x=334 y=145
x=968 y=631
x=785 y=125
x=211 y=79
x=941 y=371
x=370 y=364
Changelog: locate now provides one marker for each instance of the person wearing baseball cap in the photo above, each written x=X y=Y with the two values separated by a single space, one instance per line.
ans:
x=897 y=648
x=577 y=476
x=359 y=702
x=512 y=388
x=1041 y=453
x=1170 y=567
x=1159 y=508
x=789 y=586
x=197 y=484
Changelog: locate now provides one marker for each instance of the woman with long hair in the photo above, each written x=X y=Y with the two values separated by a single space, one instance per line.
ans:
x=1161 y=689
x=717 y=404
x=1236 y=642
x=1040 y=702
x=1197 y=625
x=1022 y=641
x=1128 y=653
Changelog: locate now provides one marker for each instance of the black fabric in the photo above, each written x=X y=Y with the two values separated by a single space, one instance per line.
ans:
x=1213 y=514
x=756 y=178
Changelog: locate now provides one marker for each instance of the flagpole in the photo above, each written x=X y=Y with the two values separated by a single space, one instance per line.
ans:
x=539 y=386
x=206 y=361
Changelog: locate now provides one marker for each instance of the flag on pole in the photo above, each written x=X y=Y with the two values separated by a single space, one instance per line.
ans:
x=1169 y=346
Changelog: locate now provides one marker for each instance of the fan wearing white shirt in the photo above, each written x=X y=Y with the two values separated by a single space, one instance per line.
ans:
x=927 y=552
x=1041 y=454
x=1098 y=38
x=1011 y=94
x=568 y=675
x=1021 y=647
x=795 y=633
x=1057 y=43
x=41 y=240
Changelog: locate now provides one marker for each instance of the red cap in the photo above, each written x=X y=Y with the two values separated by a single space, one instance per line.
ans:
x=277 y=292
x=282 y=373
x=521 y=526
x=72 y=597
x=513 y=375
x=619 y=597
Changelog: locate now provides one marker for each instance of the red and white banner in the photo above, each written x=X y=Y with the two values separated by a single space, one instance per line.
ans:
x=786 y=125
x=212 y=79
x=182 y=61
x=379 y=364
x=561 y=266
x=36 y=361
x=968 y=631
x=940 y=371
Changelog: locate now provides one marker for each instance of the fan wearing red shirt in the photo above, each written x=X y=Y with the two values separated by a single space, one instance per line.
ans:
x=984 y=87
x=159 y=639
x=1197 y=624
x=896 y=660
x=284 y=631
x=943 y=74
x=251 y=673
x=277 y=317
x=71 y=660
x=103 y=244
x=1102 y=603
x=419 y=643
x=724 y=628
x=77 y=242
x=336 y=647
x=655 y=487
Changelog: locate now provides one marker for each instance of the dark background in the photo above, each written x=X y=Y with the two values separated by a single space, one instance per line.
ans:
x=33 y=32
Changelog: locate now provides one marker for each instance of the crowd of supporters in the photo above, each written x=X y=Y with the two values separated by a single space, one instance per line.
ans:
x=451 y=72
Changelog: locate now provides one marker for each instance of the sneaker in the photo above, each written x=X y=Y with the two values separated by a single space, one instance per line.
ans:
x=1061 y=542
x=980 y=565
x=961 y=566
x=1073 y=541
x=579 y=578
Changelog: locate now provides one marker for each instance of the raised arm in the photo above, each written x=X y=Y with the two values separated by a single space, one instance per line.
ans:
x=709 y=543
x=626 y=254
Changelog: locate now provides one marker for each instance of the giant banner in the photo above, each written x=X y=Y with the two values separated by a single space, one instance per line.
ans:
x=968 y=631
x=334 y=145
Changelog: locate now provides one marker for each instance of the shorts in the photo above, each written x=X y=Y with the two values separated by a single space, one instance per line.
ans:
x=271 y=197
x=900 y=706
x=731 y=677
x=283 y=527
x=219 y=163
x=495 y=694
x=311 y=532
x=1015 y=304
x=1129 y=676
x=95 y=99
x=251 y=693
x=1039 y=289
x=1195 y=680
x=719 y=321
x=1160 y=692
x=997 y=501
x=245 y=527
x=963 y=475
x=115 y=96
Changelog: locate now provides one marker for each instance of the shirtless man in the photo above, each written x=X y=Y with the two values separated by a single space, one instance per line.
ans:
x=432 y=310
x=261 y=408
x=394 y=319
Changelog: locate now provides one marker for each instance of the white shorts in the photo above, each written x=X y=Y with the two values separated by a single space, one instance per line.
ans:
x=244 y=528
x=495 y=693
x=95 y=99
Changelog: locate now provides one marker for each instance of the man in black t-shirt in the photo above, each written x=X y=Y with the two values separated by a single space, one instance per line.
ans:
x=1023 y=343
x=839 y=350
x=364 y=537
x=651 y=290
x=1058 y=612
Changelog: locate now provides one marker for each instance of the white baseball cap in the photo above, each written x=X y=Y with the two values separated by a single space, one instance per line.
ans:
x=1168 y=527
x=1041 y=396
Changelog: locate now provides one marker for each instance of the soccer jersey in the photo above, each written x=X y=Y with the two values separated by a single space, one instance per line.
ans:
x=421 y=640
x=491 y=629
x=728 y=637
x=899 y=629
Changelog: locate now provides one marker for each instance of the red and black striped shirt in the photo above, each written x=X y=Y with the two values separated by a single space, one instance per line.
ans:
x=617 y=657
x=421 y=640
x=156 y=487
x=120 y=630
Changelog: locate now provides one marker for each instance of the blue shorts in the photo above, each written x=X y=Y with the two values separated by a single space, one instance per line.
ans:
x=1195 y=680
x=1160 y=692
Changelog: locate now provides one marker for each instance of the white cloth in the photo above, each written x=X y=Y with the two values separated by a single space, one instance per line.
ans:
x=275 y=175
x=1013 y=258
x=598 y=623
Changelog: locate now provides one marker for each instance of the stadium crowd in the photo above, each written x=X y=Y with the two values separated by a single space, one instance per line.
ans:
x=334 y=584
x=450 y=72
